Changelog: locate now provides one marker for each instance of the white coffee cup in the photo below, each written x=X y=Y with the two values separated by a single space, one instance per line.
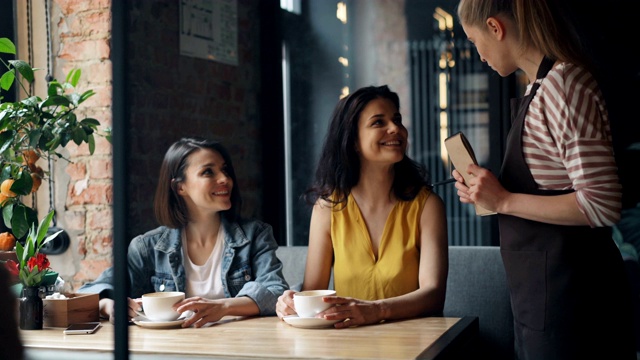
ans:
x=309 y=303
x=158 y=306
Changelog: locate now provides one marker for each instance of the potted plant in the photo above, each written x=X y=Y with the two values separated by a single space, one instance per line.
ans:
x=33 y=128
x=30 y=269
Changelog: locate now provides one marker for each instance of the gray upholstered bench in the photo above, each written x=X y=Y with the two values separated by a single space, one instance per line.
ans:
x=477 y=286
x=293 y=259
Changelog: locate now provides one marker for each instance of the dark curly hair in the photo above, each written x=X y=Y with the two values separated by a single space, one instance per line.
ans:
x=338 y=169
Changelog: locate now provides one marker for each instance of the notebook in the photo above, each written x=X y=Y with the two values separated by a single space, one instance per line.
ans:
x=461 y=155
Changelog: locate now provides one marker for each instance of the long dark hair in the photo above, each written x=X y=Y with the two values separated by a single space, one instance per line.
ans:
x=169 y=207
x=338 y=169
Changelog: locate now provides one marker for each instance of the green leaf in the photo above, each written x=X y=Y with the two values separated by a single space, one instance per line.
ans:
x=92 y=144
x=36 y=277
x=19 y=251
x=73 y=76
x=34 y=138
x=90 y=122
x=31 y=101
x=79 y=136
x=6 y=139
x=6 y=173
x=7 y=79
x=7 y=46
x=54 y=86
x=24 y=69
x=55 y=100
x=22 y=220
x=24 y=275
x=43 y=227
x=22 y=184
x=29 y=250
x=85 y=95
x=19 y=225
x=53 y=143
x=51 y=237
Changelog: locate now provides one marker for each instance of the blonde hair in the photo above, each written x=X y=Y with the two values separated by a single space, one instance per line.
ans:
x=537 y=24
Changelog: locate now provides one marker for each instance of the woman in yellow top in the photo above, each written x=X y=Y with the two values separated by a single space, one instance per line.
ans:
x=375 y=219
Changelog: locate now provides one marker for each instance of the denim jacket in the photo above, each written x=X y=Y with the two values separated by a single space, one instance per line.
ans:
x=249 y=264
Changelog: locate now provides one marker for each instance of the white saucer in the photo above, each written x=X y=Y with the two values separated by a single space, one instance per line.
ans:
x=308 y=323
x=146 y=323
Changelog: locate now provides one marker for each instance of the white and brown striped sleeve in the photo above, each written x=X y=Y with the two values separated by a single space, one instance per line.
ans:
x=567 y=143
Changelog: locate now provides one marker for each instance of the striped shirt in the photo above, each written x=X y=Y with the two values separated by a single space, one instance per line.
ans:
x=567 y=143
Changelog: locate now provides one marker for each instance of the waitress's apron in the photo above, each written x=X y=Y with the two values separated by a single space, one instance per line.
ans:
x=569 y=290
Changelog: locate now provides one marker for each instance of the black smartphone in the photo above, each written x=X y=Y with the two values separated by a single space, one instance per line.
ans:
x=82 y=328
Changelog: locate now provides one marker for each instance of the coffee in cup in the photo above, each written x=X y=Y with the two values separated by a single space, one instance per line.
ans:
x=309 y=303
x=158 y=306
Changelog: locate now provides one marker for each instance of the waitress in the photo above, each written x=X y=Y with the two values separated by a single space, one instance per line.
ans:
x=558 y=194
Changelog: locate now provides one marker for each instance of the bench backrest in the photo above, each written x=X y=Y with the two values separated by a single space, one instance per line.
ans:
x=477 y=286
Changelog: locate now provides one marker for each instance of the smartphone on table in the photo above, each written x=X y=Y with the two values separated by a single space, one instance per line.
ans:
x=82 y=328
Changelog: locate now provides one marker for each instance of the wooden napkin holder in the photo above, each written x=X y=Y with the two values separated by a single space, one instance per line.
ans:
x=75 y=308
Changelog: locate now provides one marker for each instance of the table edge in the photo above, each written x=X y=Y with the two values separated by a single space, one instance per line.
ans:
x=459 y=336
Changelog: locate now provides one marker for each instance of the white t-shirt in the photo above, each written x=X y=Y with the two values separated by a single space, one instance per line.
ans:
x=205 y=280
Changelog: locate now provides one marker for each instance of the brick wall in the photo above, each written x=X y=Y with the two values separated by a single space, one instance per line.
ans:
x=81 y=32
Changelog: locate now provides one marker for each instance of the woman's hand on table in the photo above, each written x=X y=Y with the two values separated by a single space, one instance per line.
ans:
x=203 y=310
x=351 y=312
x=107 y=308
x=284 y=306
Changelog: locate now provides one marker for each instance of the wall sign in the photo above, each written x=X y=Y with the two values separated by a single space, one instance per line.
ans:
x=209 y=30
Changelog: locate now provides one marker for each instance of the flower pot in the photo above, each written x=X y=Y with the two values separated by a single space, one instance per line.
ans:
x=31 y=309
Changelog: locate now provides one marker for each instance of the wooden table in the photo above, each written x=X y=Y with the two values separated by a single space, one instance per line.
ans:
x=268 y=338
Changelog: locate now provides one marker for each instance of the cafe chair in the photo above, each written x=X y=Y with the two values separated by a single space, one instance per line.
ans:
x=477 y=286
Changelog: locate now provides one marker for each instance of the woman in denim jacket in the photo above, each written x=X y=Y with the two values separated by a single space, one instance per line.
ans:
x=225 y=265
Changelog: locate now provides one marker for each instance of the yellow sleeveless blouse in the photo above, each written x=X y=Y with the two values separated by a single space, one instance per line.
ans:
x=356 y=272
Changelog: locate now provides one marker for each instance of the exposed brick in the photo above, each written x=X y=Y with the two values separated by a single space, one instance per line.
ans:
x=103 y=147
x=102 y=97
x=75 y=220
x=89 y=269
x=100 y=72
x=82 y=194
x=76 y=170
x=81 y=248
x=90 y=24
x=85 y=50
x=70 y=7
x=101 y=220
x=102 y=244
x=101 y=169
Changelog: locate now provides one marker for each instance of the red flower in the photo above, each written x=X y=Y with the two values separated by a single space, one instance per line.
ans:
x=13 y=267
x=40 y=260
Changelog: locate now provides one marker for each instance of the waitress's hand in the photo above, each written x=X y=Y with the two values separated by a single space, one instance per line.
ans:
x=483 y=188
x=284 y=306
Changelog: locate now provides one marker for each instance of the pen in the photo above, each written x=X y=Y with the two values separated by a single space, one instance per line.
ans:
x=448 y=181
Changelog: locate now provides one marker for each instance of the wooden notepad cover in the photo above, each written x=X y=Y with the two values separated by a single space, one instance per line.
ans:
x=461 y=155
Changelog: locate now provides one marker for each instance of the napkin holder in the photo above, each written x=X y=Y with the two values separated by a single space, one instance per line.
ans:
x=75 y=308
